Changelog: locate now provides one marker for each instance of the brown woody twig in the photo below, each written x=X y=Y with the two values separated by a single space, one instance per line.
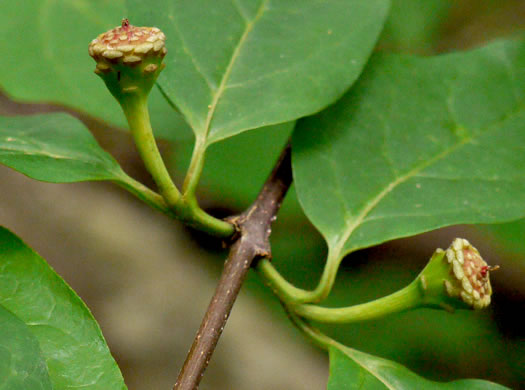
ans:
x=251 y=242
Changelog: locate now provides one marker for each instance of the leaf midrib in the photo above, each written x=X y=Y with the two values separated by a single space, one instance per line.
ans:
x=346 y=351
x=82 y=157
x=226 y=76
x=338 y=247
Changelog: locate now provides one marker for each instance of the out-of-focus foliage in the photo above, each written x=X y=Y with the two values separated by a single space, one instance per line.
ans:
x=414 y=26
x=511 y=237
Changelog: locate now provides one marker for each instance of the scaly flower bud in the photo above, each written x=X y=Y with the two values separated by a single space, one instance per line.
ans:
x=471 y=273
x=461 y=272
x=129 y=58
x=457 y=278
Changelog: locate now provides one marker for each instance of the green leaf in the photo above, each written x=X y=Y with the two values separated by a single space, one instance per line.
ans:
x=58 y=148
x=417 y=144
x=46 y=59
x=235 y=65
x=71 y=342
x=510 y=235
x=507 y=239
x=21 y=364
x=55 y=148
x=351 y=369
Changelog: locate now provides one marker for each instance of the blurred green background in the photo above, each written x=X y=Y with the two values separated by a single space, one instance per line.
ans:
x=148 y=280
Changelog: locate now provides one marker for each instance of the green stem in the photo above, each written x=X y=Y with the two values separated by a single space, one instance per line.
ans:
x=192 y=212
x=145 y=194
x=135 y=108
x=286 y=291
x=405 y=299
x=197 y=218
x=194 y=172
x=184 y=208
x=290 y=294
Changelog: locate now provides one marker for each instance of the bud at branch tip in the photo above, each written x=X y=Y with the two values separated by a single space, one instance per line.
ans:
x=129 y=58
x=461 y=273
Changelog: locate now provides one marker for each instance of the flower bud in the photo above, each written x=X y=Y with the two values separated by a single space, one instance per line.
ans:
x=129 y=58
x=457 y=277
x=471 y=273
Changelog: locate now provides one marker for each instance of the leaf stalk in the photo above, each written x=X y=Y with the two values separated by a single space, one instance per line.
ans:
x=405 y=299
x=185 y=208
x=290 y=294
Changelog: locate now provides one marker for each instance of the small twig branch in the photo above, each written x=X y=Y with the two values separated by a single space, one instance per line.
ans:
x=251 y=242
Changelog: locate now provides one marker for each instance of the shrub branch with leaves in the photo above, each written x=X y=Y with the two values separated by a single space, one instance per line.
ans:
x=384 y=146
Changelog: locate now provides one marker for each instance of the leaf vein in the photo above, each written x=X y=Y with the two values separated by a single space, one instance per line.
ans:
x=366 y=368
x=226 y=76
x=375 y=201
x=188 y=52
x=241 y=11
x=340 y=241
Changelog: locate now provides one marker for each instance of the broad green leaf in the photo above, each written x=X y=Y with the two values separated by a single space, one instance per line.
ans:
x=235 y=65
x=71 y=342
x=21 y=364
x=58 y=148
x=417 y=144
x=46 y=60
x=507 y=239
x=351 y=369
x=55 y=148
x=413 y=26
